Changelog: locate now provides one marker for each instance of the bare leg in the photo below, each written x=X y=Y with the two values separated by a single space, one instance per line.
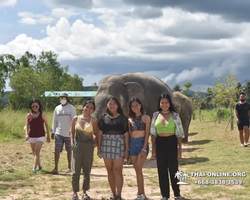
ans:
x=38 y=147
x=138 y=162
x=111 y=177
x=118 y=166
x=241 y=137
x=246 y=130
x=69 y=159
x=57 y=156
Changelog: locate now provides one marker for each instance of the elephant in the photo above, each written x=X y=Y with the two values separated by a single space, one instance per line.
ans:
x=124 y=86
x=184 y=105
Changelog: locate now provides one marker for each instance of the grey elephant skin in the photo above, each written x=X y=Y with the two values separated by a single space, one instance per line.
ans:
x=185 y=108
x=124 y=86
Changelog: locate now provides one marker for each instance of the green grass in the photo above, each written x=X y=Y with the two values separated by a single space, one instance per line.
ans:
x=210 y=149
x=12 y=124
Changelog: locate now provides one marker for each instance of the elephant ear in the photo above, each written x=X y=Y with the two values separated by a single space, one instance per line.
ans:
x=134 y=89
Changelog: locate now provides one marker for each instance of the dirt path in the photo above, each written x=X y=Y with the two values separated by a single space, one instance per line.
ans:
x=46 y=186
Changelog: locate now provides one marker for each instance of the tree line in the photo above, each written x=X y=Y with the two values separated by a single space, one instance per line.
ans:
x=221 y=95
x=31 y=76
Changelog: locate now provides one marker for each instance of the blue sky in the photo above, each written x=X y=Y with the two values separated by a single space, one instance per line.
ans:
x=176 y=41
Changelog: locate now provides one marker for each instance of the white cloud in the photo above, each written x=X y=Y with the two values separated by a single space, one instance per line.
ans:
x=61 y=12
x=28 y=20
x=4 y=3
x=46 y=18
x=168 y=78
x=189 y=75
x=116 y=35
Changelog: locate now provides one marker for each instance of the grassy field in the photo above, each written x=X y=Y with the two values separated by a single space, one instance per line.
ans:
x=210 y=149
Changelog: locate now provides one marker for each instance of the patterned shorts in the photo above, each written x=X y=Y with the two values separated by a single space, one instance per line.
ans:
x=112 y=147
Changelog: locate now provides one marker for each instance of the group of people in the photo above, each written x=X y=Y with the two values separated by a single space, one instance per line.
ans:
x=117 y=136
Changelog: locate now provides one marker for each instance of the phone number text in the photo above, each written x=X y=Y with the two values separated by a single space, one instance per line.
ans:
x=219 y=182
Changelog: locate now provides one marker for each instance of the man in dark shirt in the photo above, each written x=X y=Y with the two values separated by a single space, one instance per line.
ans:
x=242 y=116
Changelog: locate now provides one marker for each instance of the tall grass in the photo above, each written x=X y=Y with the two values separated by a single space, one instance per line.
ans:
x=12 y=124
x=211 y=114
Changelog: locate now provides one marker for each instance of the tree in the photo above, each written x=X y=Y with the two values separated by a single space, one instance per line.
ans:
x=197 y=100
x=187 y=86
x=246 y=89
x=226 y=95
x=208 y=98
x=31 y=77
x=177 y=88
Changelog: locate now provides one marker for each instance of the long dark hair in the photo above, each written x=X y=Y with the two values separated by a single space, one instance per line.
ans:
x=39 y=103
x=119 y=109
x=89 y=101
x=130 y=112
x=172 y=108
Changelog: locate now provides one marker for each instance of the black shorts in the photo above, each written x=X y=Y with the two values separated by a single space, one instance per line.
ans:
x=242 y=124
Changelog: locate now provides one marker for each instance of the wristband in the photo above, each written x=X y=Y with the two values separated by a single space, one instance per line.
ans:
x=144 y=150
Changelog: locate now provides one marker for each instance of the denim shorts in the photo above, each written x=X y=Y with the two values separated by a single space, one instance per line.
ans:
x=136 y=145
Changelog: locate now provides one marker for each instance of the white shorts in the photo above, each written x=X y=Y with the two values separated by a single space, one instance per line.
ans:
x=36 y=139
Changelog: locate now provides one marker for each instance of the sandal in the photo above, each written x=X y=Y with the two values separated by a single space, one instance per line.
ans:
x=112 y=197
x=118 y=198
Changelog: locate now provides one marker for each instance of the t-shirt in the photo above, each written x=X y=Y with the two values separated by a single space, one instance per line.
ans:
x=243 y=110
x=62 y=118
x=113 y=126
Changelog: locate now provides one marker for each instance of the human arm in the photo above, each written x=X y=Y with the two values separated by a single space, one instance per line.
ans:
x=95 y=129
x=126 y=139
x=153 y=133
x=99 y=136
x=54 y=124
x=146 y=119
x=179 y=140
x=99 y=142
x=236 y=114
x=73 y=130
x=27 y=127
x=44 y=116
x=153 y=139
x=72 y=116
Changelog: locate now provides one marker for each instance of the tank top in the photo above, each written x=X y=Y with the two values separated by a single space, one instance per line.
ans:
x=169 y=127
x=36 y=126
x=80 y=133
x=137 y=124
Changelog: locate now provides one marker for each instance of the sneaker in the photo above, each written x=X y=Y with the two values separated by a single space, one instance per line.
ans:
x=140 y=197
x=75 y=197
x=39 y=168
x=34 y=170
x=68 y=170
x=85 y=196
x=164 y=198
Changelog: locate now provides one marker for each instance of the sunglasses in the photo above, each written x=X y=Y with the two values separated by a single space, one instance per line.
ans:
x=34 y=106
x=64 y=98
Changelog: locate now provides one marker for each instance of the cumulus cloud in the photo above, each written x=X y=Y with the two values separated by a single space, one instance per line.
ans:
x=144 y=13
x=229 y=10
x=168 y=78
x=116 y=43
x=46 y=18
x=61 y=12
x=4 y=3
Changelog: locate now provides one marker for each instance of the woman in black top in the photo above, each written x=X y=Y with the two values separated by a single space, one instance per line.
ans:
x=113 y=144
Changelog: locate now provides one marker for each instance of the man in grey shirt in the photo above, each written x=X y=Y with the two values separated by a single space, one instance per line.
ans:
x=61 y=125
